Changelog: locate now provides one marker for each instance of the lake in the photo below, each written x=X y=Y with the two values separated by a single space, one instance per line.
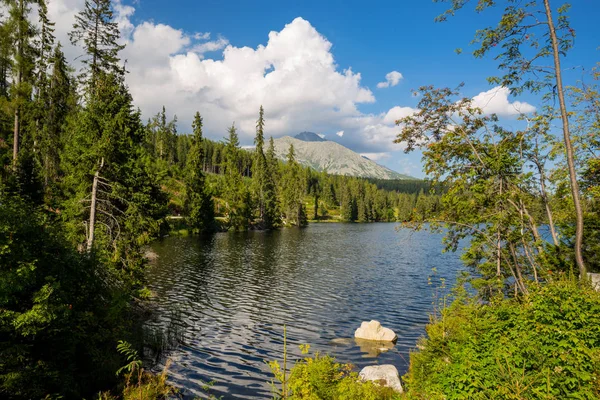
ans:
x=231 y=294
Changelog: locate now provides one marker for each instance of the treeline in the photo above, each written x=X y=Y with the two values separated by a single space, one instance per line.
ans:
x=237 y=180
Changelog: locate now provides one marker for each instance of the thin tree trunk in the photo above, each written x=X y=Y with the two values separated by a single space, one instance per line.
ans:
x=16 y=130
x=90 y=242
x=17 y=125
x=520 y=280
x=547 y=205
x=568 y=146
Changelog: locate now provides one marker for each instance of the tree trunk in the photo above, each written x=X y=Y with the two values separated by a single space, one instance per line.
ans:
x=90 y=242
x=17 y=125
x=547 y=204
x=568 y=146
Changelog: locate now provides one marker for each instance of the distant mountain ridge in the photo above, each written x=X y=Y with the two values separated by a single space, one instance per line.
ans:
x=326 y=155
x=309 y=137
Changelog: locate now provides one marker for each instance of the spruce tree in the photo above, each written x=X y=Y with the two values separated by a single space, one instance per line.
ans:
x=293 y=190
x=60 y=103
x=263 y=178
x=259 y=167
x=98 y=33
x=22 y=33
x=236 y=195
x=198 y=204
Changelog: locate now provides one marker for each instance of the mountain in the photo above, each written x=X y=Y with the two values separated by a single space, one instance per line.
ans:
x=309 y=137
x=325 y=155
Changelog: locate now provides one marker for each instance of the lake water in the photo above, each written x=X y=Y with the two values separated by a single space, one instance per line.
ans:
x=231 y=295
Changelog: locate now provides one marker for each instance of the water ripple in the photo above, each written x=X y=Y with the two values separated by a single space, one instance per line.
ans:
x=232 y=293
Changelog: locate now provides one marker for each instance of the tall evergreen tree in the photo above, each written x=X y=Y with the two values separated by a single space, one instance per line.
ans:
x=107 y=139
x=61 y=102
x=293 y=190
x=98 y=33
x=198 y=204
x=23 y=32
x=236 y=195
x=263 y=179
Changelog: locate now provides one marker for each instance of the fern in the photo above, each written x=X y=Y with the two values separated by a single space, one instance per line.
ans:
x=132 y=355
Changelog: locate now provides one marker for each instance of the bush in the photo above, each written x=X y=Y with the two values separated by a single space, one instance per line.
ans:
x=542 y=346
x=321 y=377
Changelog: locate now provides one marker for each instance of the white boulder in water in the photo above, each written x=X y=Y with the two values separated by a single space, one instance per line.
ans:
x=374 y=331
x=385 y=375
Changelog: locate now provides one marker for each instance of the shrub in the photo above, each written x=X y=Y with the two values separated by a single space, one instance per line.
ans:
x=321 y=377
x=542 y=346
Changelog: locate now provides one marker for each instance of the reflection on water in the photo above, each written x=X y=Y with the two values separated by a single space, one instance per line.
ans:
x=231 y=294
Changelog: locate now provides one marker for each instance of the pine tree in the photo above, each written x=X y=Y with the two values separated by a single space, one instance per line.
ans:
x=263 y=178
x=98 y=33
x=23 y=32
x=259 y=167
x=293 y=191
x=198 y=204
x=236 y=195
x=61 y=101
x=107 y=140
x=44 y=45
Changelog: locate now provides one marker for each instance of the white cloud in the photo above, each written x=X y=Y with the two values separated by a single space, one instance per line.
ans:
x=321 y=135
x=293 y=74
x=391 y=79
x=397 y=113
x=377 y=156
x=495 y=101
x=214 y=45
x=202 y=35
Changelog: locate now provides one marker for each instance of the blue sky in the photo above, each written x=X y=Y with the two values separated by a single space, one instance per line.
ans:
x=172 y=64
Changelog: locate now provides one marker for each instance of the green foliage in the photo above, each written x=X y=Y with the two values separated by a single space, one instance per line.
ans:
x=322 y=378
x=236 y=193
x=58 y=317
x=292 y=192
x=97 y=32
x=198 y=203
x=543 y=346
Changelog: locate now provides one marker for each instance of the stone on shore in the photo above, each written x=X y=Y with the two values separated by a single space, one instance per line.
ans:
x=374 y=331
x=595 y=279
x=385 y=375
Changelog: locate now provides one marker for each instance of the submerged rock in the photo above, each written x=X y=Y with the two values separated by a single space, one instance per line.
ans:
x=374 y=331
x=373 y=348
x=150 y=255
x=386 y=375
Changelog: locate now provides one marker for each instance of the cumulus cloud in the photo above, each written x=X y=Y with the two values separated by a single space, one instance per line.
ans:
x=396 y=113
x=377 y=156
x=293 y=74
x=495 y=101
x=206 y=47
x=391 y=79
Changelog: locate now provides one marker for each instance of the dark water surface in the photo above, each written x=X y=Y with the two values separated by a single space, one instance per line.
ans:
x=231 y=295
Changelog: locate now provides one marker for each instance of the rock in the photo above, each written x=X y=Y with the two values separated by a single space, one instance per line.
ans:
x=595 y=279
x=374 y=331
x=386 y=375
x=373 y=348
x=150 y=255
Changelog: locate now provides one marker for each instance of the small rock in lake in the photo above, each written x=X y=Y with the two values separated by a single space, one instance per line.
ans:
x=374 y=331
x=386 y=375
